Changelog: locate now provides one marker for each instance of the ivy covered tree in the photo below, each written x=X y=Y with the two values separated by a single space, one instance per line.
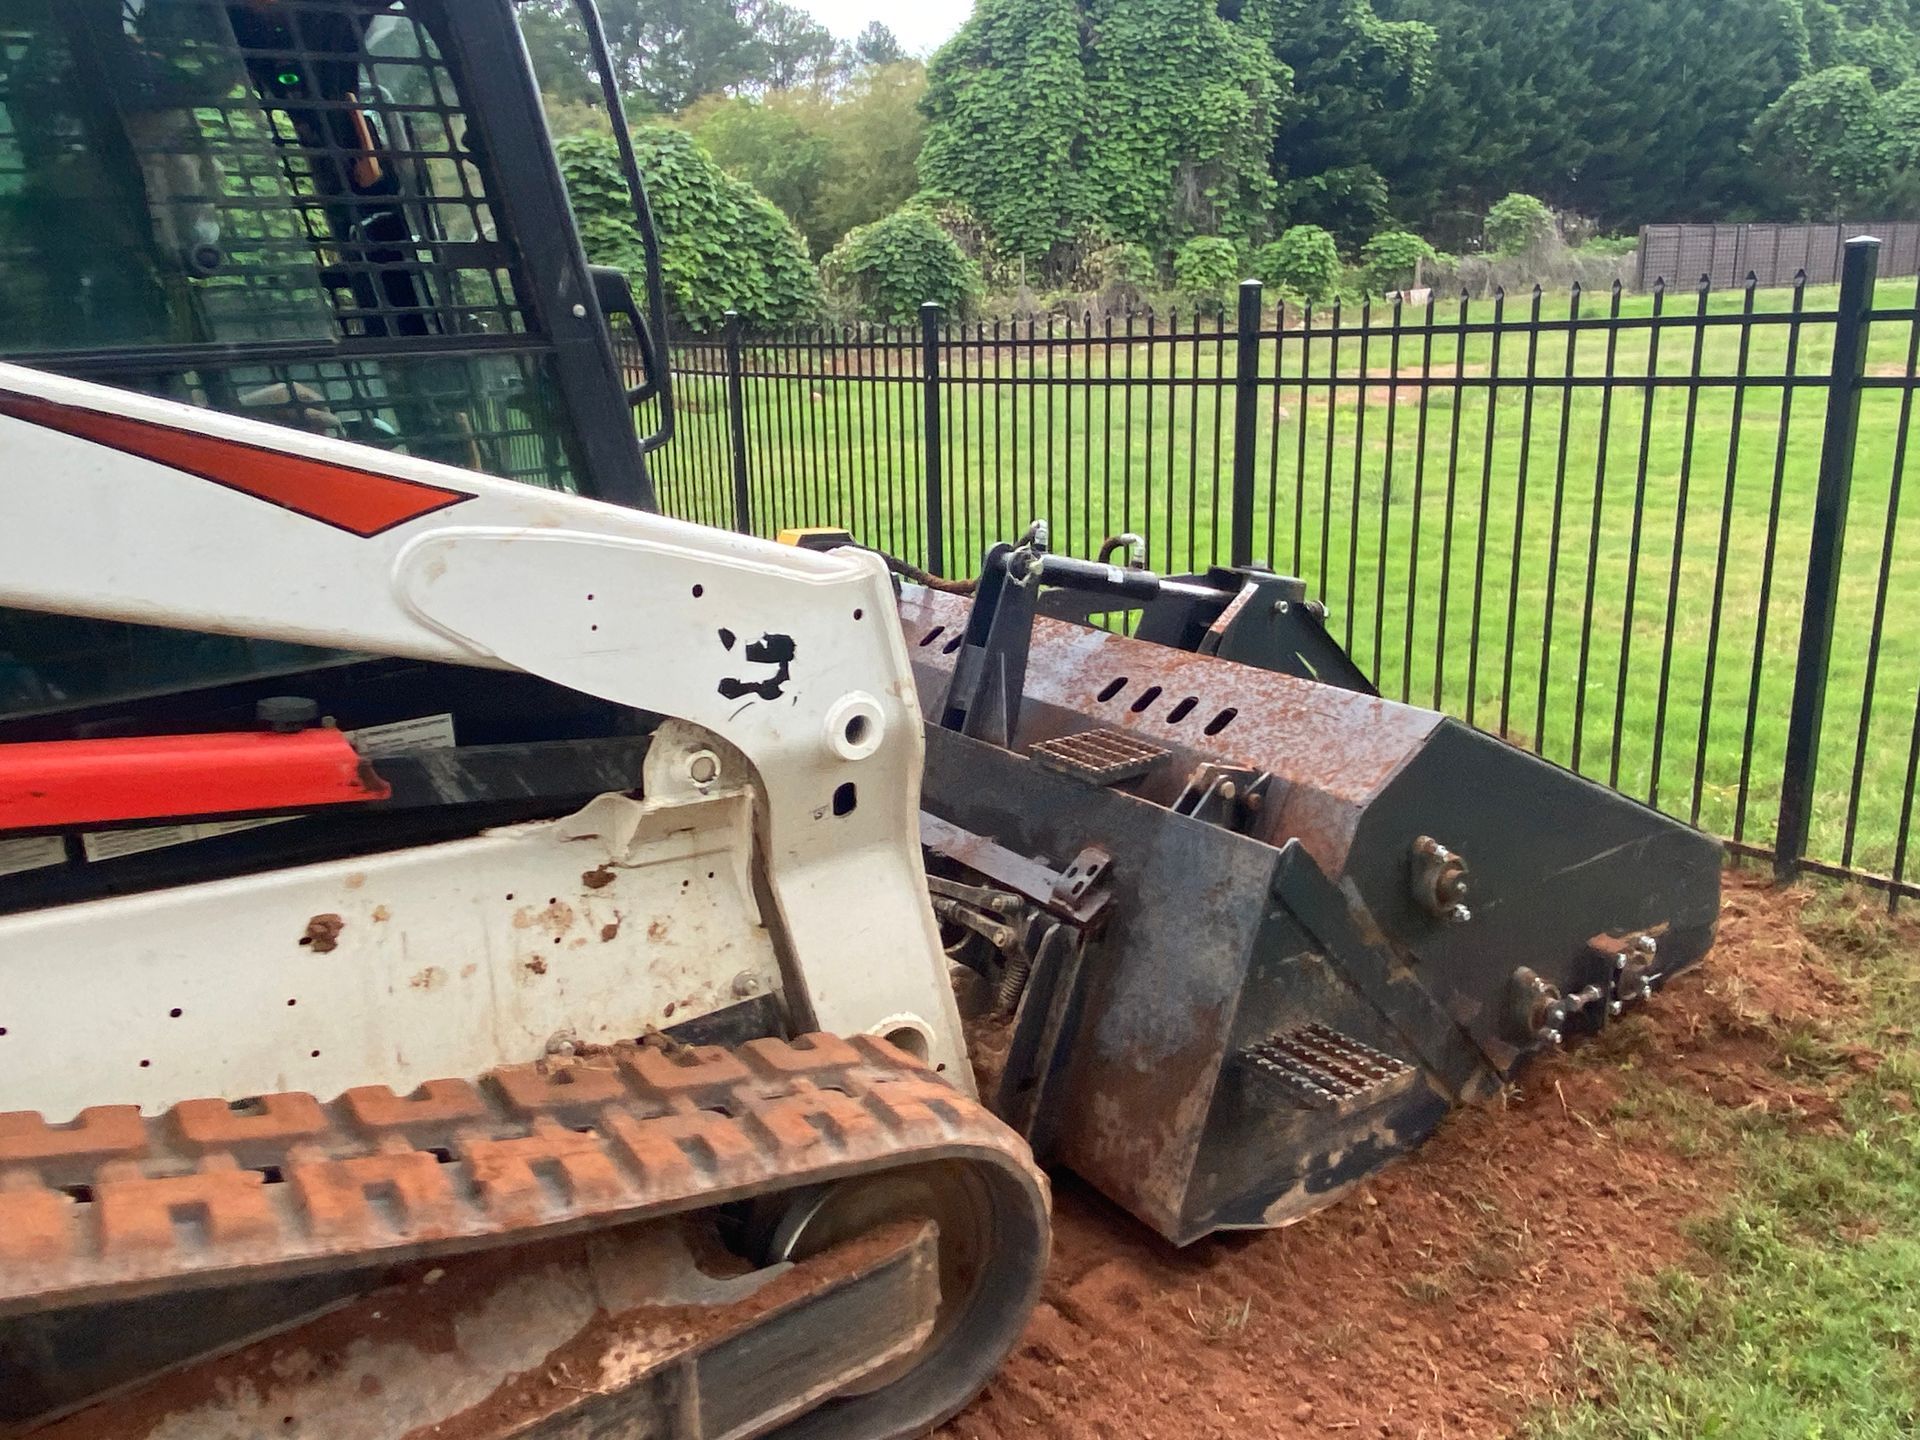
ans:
x=1006 y=108
x=1829 y=136
x=1148 y=119
x=723 y=245
x=1180 y=100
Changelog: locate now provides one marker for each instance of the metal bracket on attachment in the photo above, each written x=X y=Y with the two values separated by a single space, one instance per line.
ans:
x=1225 y=795
x=1440 y=881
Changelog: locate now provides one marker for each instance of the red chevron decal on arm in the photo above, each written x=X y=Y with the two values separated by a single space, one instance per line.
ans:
x=363 y=502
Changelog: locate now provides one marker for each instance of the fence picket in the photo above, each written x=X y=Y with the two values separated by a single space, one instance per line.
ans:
x=789 y=430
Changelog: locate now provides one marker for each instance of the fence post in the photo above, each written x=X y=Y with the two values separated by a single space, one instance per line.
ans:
x=1246 y=422
x=930 y=432
x=737 y=425
x=1860 y=266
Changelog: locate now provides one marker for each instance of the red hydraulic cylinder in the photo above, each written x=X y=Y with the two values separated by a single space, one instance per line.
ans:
x=46 y=785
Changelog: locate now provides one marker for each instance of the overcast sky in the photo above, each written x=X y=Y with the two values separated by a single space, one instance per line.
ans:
x=920 y=24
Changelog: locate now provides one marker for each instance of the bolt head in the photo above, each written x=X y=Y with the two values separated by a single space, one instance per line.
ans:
x=746 y=984
x=1646 y=944
x=1616 y=1009
x=703 y=768
x=1460 y=915
x=287 y=714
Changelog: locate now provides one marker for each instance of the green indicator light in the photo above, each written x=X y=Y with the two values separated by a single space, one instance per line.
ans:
x=288 y=77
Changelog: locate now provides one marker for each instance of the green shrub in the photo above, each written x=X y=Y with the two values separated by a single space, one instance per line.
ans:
x=1518 y=224
x=892 y=267
x=1122 y=265
x=1305 y=262
x=1611 y=245
x=1204 y=269
x=723 y=245
x=1392 y=261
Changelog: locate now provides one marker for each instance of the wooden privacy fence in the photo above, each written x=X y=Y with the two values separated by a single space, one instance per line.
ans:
x=1774 y=254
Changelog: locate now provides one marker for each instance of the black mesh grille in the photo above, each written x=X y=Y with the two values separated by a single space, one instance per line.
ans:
x=295 y=171
x=275 y=210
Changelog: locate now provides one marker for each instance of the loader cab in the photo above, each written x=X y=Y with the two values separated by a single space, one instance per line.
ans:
x=343 y=216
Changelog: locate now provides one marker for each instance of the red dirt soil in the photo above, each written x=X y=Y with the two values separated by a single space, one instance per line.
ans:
x=1440 y=1301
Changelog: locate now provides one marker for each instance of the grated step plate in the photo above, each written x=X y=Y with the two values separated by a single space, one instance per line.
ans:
x=1101 y=757
x=1321 y=1069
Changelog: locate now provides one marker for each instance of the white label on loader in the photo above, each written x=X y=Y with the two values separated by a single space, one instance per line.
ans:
x=118 y=844
x=429 y=732
x=35 y=853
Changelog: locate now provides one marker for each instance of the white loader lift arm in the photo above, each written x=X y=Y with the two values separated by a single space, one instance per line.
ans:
x=786 y=668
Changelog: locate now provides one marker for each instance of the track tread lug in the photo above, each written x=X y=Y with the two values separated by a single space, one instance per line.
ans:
x=99 y=1132
x=156 y=1204
x=438 y=1102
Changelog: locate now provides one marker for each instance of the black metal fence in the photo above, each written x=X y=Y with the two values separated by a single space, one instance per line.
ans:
x=1659 y=539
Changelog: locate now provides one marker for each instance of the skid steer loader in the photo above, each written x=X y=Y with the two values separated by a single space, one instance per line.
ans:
x=479 y=959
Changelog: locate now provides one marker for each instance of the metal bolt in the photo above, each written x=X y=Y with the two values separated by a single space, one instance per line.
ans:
x=703 y=767
x=1228 y=790
x=1281 y=607
x=1555 y=1037
x=287 y=714
x=1460 y=915
x=746 y=983
x=579 y=312
x=1646 y=945
x=561 y=1045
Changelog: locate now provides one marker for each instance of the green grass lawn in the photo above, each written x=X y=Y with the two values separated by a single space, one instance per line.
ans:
x=1797 y=1318
x=1543 y=561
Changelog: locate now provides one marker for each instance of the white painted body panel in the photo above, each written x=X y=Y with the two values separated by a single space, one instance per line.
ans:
x=619 y=604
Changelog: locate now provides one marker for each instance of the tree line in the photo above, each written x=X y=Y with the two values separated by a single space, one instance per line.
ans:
x=1064 y=142
x=1156 y=120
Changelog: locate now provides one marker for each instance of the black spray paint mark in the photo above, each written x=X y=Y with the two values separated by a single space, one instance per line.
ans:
x=775 y=650
x=727 y=638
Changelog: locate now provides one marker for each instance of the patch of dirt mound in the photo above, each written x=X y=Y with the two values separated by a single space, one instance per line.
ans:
x=1440 y=1299
x=1741 y=1033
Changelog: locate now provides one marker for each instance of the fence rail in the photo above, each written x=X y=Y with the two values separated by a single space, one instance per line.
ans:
x=1662 y=540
